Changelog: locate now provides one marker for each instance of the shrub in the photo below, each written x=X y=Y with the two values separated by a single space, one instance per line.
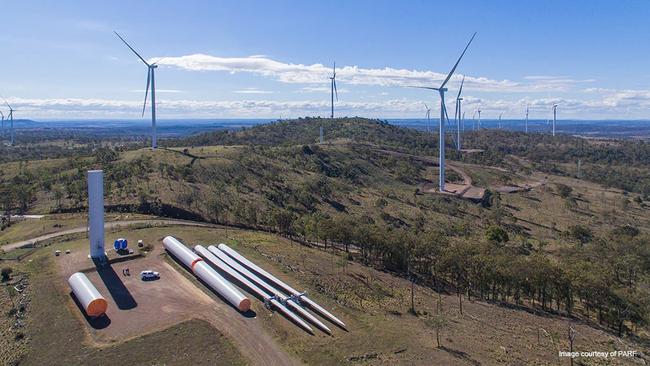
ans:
x=580 y=233
x=6 y=273
x=563 y=190
x=497 y=234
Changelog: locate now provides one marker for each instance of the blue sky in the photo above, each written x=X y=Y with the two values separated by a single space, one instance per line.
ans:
x=266 y=59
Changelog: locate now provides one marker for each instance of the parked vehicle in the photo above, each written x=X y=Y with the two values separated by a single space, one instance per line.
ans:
x=149 y=275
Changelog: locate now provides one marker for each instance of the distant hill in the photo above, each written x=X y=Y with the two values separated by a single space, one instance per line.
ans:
x=23 y=123
x=306 y=131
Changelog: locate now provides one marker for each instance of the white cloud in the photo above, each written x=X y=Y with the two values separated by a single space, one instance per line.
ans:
x=318 y=73
x=252 y=91
x=621 y=104
x=323 y=89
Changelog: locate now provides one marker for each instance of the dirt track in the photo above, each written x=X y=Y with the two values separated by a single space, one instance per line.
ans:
x=108 y=226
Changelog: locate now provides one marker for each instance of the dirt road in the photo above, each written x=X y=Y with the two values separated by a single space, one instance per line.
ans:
x=108 y=225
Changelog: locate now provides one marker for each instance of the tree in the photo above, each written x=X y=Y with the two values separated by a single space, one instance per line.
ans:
x=438 y=322
x=283 y=220
x=58 y=196
x=6 y=273
x=496 y=234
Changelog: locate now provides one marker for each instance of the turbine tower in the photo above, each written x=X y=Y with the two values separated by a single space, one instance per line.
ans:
x=554 y=117
x=479 y=118
x=150 y=82
x=474 y=120
x=526 y=118
x=500 y=115
x=458 y=114
x=443 y=114
x=463 y=121
x=12 y=133
x=333 y=88
x=2 y=136
x=428 y=115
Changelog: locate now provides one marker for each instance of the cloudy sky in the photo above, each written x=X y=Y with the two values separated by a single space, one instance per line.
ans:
x=270 y=59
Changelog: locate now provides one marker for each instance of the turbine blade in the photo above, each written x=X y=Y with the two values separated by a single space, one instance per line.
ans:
x=457 y=62
x=129 y=46
x=146 y=91
x=461 y=87
x=336 y=92
x=422 y=87
x=446 y=115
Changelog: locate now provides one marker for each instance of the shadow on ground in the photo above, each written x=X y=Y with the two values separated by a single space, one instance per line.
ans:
x=115 y=286
x=100 y=322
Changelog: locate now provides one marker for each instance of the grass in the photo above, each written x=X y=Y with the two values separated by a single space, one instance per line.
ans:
x=373 y=304
x=16 y=253
x=32 y=228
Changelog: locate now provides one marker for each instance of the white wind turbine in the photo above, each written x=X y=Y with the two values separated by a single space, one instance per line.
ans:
x=333 y=88
x=150 y=82
x=443 y=114
x=428 y=115
x=554 y=117
x=526 y=117
x=458 y=114
x=10 y=117
x=474 y=120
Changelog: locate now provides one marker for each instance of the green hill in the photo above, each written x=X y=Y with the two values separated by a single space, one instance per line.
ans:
x=568 y=246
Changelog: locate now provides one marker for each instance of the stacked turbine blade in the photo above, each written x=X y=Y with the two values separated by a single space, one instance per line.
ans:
x=300 y=296
x=209 y=264
x=290 y=302
x=268 y=298
x=208 y=275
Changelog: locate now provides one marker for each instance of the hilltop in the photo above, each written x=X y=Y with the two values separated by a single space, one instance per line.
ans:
x=566 y=243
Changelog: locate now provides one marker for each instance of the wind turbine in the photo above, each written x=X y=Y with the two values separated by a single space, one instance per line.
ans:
x=333 y=87
x=554 y=117
x=526 y=118
x=479 y=118
x=474 y=120
x=150 y=82
x=10 y=117
x=443 y=113
x=428 y=117
x=500 y=115
x=458 y=113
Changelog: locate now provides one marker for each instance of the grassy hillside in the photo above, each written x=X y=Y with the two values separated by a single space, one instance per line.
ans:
x=376 y=306
x=569 y=246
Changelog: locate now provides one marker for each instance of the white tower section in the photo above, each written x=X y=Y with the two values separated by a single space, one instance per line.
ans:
x=96 y=213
